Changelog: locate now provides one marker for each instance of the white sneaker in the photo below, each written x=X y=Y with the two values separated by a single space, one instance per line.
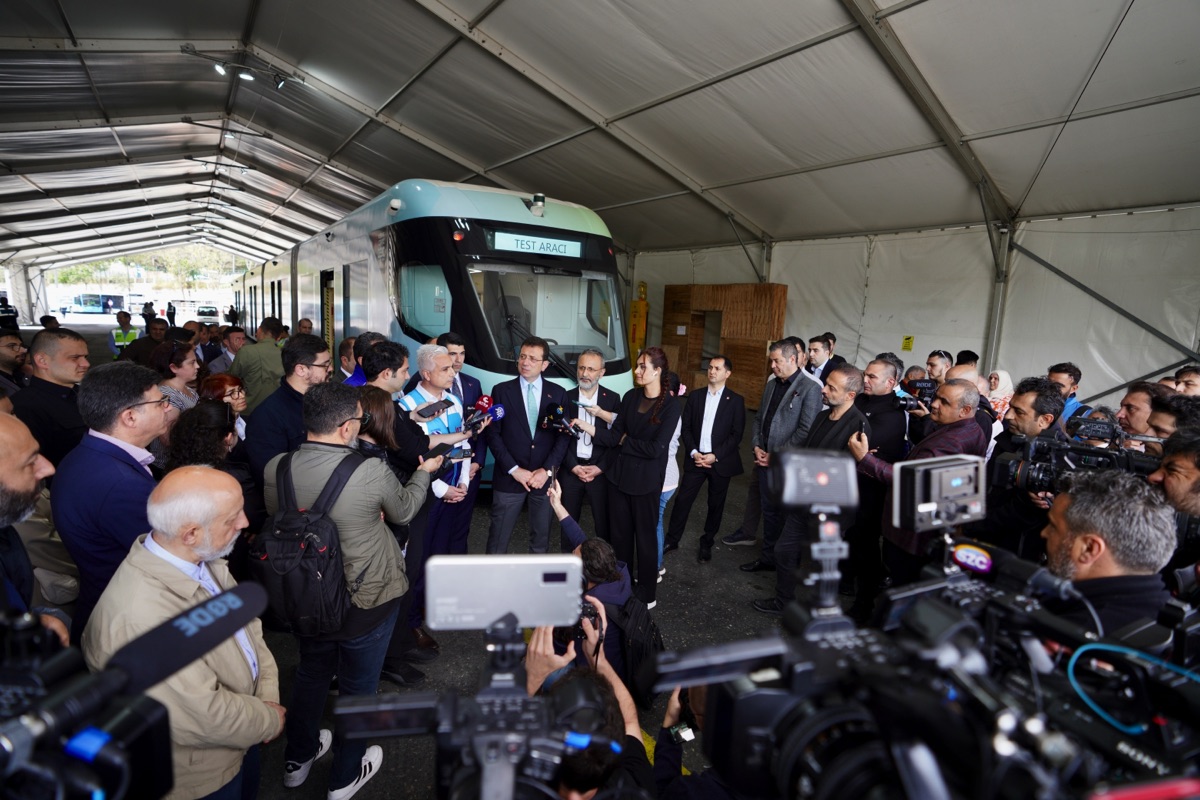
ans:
x=651 y=604
x=662 y=570
x=295 y=773
x=371 y=761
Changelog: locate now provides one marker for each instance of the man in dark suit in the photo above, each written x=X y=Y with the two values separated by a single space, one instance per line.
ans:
x=100 y=492
x=524 y=451
x=713 y=422
x=789 y=405
x=831 y=430
x=586 y=461
x=820 y=358
x=48 y=405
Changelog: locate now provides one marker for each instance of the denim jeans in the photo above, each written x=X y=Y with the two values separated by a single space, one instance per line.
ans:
x=357 y=663
x=662 y=509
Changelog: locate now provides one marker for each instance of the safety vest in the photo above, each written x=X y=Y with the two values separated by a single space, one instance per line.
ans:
x=123 y=339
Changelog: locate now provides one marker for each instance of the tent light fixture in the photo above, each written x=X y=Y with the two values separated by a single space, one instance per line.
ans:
x=219 y=67
x=246 y=75
x=538 y=206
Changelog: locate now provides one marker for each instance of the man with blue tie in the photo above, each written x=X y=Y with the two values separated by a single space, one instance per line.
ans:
x=524 y=451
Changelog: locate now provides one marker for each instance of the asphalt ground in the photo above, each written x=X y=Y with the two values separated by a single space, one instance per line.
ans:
x=698 y=605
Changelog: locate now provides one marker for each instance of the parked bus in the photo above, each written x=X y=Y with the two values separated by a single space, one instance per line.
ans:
x=95 y=304
x=427 y=257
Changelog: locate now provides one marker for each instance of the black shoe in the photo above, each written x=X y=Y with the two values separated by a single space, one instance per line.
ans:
x=705 y=554
x=757 y=565
x=738 y=539
x=404 y=675
x=419 y=655
x=669 y=548
x=769 y=606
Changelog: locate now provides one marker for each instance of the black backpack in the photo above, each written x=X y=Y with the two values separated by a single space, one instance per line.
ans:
x=642 y=642
x=298 y=558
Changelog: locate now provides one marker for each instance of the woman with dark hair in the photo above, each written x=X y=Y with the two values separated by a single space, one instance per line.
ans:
x=642 y=435
x=176 y=362
x=376 y=437
x=227 y=389
x=204 y=435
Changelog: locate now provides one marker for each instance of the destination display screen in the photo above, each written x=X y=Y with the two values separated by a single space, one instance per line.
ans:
x=538 y=245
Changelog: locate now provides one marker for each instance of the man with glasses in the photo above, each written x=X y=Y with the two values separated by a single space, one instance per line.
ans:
x=48 y=405
x=524 y=451
x=956 y=433
x=279 y=428
x=12 y=362
x=586 y=460
x=100 y=492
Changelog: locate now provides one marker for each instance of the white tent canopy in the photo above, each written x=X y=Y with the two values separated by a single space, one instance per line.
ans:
x=687 y=124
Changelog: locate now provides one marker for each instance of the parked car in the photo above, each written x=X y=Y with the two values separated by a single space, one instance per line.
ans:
x=209 y=315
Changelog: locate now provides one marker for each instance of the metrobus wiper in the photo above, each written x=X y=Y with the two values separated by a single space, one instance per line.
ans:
x=554 y=357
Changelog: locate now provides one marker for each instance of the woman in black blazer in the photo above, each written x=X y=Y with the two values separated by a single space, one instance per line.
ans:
x=641 y=435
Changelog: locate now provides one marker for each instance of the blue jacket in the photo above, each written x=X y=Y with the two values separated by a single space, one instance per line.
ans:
x=99 y=506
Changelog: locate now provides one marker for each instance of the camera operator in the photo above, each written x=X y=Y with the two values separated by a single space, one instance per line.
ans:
x=985 y=416
x=1015 y=517
x=1067 y=376
x=668 y=753
x=1179 y=478
x=1134 y=413
x=904 y=552
x=1110 y=532
x=607 y=578
x=1168 y=414
x=584 y=774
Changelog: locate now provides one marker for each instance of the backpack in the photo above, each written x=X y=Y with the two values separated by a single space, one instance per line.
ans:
x=642 y=641
x=298 y=559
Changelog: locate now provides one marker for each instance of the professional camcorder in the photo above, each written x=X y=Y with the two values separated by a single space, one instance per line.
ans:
x=501 y=743
x=921 y=390
x=954 y=693
x=1043 y=461
x=68 y=733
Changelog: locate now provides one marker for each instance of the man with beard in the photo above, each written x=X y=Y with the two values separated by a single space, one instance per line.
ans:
x=22 y=471
x=224 y=704
x=585 y=461
x=12 y=362
x=1110 y=532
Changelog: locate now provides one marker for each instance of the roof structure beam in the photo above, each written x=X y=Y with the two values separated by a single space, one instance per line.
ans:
x=114 y=45
x=224 y=184
x=107 y=250
x=42 y=216
x=56 y=250
x=83 y=191
x=77 y=164
x=881 y=36
x=268 y=240
x=300 y=234
x=278 y=63
x=35 y=125
x=508 y=56
x=97 y=230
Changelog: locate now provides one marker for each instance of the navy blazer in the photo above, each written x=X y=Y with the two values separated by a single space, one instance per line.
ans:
x=727 y=430
x=510 y=440
x=99 y=506
x=601 y=456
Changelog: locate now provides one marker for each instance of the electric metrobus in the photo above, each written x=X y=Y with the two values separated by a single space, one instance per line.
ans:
x=427 y=257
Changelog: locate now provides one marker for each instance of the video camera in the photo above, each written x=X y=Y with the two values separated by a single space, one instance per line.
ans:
x=1042 y=461
x=952 y=695
x=68 y=733
x=922 y=390
x=501 y=743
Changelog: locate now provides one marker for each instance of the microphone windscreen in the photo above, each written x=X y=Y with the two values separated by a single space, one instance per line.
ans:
x=496 y=412
x=484 y=402
x=161 y=652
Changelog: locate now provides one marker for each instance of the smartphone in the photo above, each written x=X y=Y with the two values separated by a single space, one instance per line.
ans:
x=433 y=409
x=438 y=450
x=458 y=454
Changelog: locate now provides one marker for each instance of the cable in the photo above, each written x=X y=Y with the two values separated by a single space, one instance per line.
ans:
x=1130 y=730
x=1095 y=617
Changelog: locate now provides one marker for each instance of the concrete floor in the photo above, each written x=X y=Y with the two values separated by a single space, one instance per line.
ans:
x=698 y=604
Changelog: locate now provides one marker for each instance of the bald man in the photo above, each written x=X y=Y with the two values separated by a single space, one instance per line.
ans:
x=224 y=704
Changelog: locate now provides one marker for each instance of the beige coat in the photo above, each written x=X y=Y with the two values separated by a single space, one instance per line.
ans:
x=217 y=709
x=367 y=543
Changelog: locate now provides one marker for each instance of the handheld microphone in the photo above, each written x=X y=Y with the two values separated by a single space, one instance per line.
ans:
x=496 y=412
x=556 y=420
x=479 y=414
x=433 y=409
x=997 y=565
x=147 y=660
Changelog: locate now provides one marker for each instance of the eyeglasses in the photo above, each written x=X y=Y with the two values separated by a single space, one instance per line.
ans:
x=326 y=366
x=164 y=402
x=236 y=391
x=943 y=354
x=14 y=346
x=364 y=420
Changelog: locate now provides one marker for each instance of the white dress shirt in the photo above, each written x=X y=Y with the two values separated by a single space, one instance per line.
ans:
x=711 y=403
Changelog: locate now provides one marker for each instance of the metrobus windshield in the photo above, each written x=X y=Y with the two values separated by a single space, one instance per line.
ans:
x=572 y=311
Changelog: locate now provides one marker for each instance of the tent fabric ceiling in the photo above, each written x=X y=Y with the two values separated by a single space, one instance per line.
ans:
x=684 y=123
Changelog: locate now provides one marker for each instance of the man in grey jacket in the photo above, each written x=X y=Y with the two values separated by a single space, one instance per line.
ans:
x=373 y=564
x=790 y=403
